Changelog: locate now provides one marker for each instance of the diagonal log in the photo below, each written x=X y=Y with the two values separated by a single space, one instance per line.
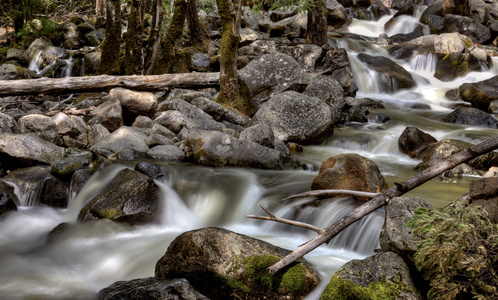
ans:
x=330 y=193
x=384 y=198
x=107 y=82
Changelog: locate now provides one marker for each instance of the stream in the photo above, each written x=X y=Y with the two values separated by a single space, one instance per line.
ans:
x=88 y=257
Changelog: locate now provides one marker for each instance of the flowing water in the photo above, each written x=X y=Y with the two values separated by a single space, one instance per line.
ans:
x=85 y=258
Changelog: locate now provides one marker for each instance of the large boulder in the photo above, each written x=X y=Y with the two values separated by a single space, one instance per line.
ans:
x=109 y=114
x=219 y=112
x=349 y=172
x=134 y=103
x=384 y=275
x=131 y=197
x=8 y=198
x=296 y=117
x=37 y=46
x=481 y=93
x=395 y=235
x=8 y=124
x=42 y=126
x=336 y=14
x=484 y=193
x=392 y=76
x=220 y=264
x=11 y=71
x=327 y=89
x=412 y=141
x=125 y=138
x=466 y=26
x=214 y=148
x=27 y=149
x=471 y=116
x=151 y=288
x=192 y=117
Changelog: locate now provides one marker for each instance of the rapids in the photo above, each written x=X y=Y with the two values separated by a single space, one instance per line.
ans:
x=88 y=257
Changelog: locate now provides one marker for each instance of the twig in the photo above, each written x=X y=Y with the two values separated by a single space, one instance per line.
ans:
x=62 y=102
x=327 y=193
x=272 y=217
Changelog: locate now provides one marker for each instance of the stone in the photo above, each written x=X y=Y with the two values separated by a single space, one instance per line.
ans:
x=152 y=170
x=307 y=55
x=327 y=89
x=260 y=134
x=295 y=117
x=8 y=198
x=8 y=124
x=484 y=193
x=471 y=116
x=37 y=46
x=109 y=114
x=10 y=71
x=336 y=14
x=193 y=117
x=480 y=94
x=412 y=141
x=125 y=138
x=27 y=149
x=66 y=166
x=220 y=263
x=466 y=26
x=349 y=172
x=166 y=153
x=134 y=103
x=172 y=120
x=219 y=112
x=131 y=197
x=143 y=122
x=96 y=133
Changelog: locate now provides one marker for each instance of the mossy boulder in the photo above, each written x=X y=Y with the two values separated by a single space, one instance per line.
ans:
x=480 y=94
x=382 y=276
x=222 y=264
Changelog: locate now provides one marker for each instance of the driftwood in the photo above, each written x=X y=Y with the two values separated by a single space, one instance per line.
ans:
x=107 y=82
x=328 y=193
x=382 y=199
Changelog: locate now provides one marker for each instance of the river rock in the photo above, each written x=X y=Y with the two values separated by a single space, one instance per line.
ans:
x=73 y=130
x=466 y=26
x=131 y=198
x=134 y=103
x=27 y=149
x=471 y=116
x=192 y=117
x=349 y=172
x=306 y=55
x=172 y=120
x=65 y=167
x=15 y=55
x=151 y=288
x=125 y=138
x=296 y=117
x=166 y=153
x=269 y=75
x=37 y=46
x=8 y=198
x=152 y=170
x=385 y=275
x=219 y=112
x=392 y=76
x=260 y=134
x=335 y=62
x=109 y=114
x=328 y=90
x=481 y=93
x=220 y=263
x=484 y=193
x=214 y=148
x=294 y=27
x=96 y=133
x=11 y=71
x=336 y=14
x=395 y=235
x=412 y=141
x=8 y=124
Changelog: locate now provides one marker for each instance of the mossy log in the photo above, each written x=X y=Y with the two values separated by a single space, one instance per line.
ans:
x=107 y=82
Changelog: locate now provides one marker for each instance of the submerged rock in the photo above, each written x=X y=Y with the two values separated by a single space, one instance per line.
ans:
x=220 y=264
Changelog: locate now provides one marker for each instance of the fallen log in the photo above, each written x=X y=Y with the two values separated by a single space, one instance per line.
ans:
x=382 y=199
x=107 y=82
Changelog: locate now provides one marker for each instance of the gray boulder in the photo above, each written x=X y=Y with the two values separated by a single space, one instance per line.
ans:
x=296 y=117
x=412 y=141
x=166 y=152
x=294 y=26
x=8 y=198
x=109 y=114
x=131 y=198
x=214 y=148
x=151 y=288
x=466 y=26
x=219 y=112
x=385 y=275
x=27 y=149
x=42 y=126
x=72 y=129
x=66 y=166
x=143 y=122
x=134 y=103
x=480 y=94
x=123 y=139
x=220 y=263
x=260 y=134
x=193 y=117
x=172 y=120
x=10 y=71
x=37 y=46
x=327 y=89
x=152 y=170
x=471 y=116
x=336 y=14
x=305 y=54
x=8 y=124
x=96 y=133
x=484 y=193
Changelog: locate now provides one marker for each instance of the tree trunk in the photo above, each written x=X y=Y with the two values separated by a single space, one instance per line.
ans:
x=230 y=25
x=100 y=8
x=133 y=53
x=175 y=32
x=18 y=15
x=317 y=25
x=384 y=198
x=154 y=46
x=198 y=35
x=106 y=82
x=110 y=46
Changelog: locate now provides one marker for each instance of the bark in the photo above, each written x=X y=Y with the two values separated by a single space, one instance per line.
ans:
x=106 y=82
x=198 y=35
x=155 y=37
x=175 y=32
x=110 y=46
x=317 y=25
x=230 y=16
x=384 y=198
x=331 y=193
x=100 y=8
x=133 y=52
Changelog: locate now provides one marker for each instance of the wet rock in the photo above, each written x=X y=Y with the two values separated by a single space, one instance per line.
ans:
x=37 y=46
x=392 y=75
x=66 y=166
x=336 y=64
x=395 y=235
x=27 y=149
x=8 y=198
x=8 y=124
x=471 y=116
x=466 y=26
x=295 y=117
x=12 y=72
x=349 y=172
x=150 y=288
x=214 y=148
x=152 y=170
x=480 y=94
x=131 y=198
x=384 y=274
x=125 y=138
x=166 y=152
x=455 y=65
x=412 y=141
x=220 y=263
x=336 y=14
x=484 y=193
x=328 y=90
x=134 y=103
x=109 y=114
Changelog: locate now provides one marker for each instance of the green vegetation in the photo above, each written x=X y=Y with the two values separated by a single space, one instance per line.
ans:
x=346 y=290
x=459 y=254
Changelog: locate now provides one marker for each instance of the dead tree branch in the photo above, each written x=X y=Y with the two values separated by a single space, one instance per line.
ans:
x=384 y=198
x=330 y=193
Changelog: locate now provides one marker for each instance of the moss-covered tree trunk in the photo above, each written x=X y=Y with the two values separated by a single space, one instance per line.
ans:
x=317 y=25
x=230 y=15
x=175 y=32
x=18 y=15
x=110 y=46
x=154 y=45
x=198 y=35
x=133 y=50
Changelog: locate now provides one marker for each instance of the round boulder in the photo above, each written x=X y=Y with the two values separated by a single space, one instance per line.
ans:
x=134 y=103
x=413 y=141
x=471 y=116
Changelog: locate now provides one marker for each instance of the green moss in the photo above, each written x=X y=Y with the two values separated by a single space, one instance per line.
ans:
x=468 y=43
x=109 y=213
x=446 y=56
x=4 y=50
x=293 y=278
x=346 y=290
x=235 y=285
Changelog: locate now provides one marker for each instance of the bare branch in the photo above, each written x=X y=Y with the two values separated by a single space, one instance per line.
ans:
x=274 y=218
x=329 y=193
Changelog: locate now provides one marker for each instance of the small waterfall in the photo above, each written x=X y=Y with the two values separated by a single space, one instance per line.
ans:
x=67 y=70
x=423 y=62
x=35 y=63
